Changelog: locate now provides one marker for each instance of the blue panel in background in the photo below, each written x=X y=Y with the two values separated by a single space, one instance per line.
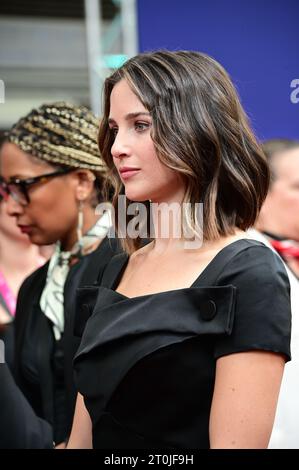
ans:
x=257 y=41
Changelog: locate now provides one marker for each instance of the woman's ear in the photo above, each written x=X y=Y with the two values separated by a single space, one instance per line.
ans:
x=85 y=184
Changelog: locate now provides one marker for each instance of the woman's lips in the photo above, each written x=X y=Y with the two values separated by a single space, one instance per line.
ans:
x=127 y=173
x=25 y=228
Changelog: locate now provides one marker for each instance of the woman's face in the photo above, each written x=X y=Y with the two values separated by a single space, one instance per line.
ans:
x=52 y=212
x=133 y=151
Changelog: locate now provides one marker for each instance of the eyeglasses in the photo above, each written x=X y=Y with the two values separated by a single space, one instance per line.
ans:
x=18 y=188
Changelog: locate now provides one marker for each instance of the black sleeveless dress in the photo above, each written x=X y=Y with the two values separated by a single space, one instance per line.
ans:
x=146 y=365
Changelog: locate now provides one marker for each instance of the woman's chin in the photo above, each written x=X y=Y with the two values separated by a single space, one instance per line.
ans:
x=137 y=196
x=39 y=239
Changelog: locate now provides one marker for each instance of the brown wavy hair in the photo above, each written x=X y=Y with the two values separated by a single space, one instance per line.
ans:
x=199 y=129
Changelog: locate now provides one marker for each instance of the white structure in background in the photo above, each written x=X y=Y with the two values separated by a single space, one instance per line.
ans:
x=125 y=26
x=94 y=51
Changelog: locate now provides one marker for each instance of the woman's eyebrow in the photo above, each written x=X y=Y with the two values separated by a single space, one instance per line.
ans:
x=130 y=116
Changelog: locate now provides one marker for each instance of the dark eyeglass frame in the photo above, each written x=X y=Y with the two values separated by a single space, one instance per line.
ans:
x=24 y=184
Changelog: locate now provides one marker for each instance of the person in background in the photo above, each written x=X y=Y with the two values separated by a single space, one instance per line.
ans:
x=278 y=228
x=18 y=258
x=52 y=179
x=279 y=216
x=189 y=335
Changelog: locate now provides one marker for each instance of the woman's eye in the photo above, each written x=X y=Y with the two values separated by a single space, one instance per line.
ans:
x=113 y=131
x=141 y=126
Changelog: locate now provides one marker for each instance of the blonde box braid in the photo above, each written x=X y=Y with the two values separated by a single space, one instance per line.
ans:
x=62 y=134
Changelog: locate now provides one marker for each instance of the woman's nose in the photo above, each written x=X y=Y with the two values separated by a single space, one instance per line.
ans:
x=120 y=147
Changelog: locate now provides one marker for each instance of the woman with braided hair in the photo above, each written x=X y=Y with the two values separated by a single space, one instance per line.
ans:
x=52 y=178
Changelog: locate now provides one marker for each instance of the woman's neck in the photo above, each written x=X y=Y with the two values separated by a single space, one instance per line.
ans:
x=168 y=222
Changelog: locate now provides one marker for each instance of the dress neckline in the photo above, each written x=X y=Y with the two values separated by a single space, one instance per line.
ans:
x=123 y=260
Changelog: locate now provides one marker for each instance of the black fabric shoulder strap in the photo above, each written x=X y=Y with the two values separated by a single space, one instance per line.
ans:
x=212 y=272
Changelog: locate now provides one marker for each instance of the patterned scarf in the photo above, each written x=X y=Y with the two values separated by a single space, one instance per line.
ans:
x=52 y=298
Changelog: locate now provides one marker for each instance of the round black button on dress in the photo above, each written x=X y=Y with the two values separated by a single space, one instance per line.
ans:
x=208 y=310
